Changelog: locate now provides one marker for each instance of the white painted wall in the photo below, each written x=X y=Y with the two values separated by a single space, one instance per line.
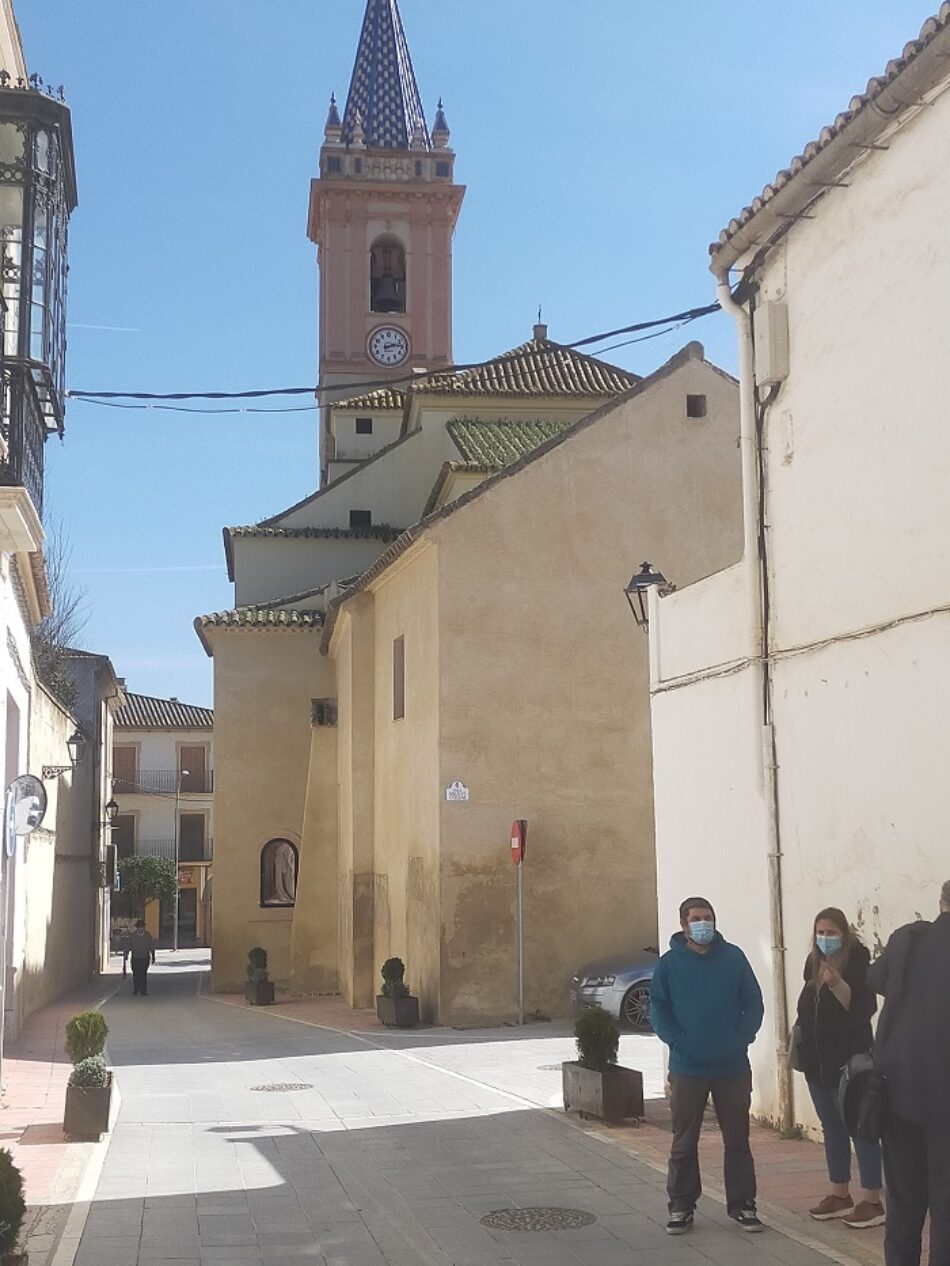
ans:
x=857 y=470
x=158 y=750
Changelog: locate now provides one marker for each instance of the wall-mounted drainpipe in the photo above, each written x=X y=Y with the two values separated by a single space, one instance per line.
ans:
x=753 y=554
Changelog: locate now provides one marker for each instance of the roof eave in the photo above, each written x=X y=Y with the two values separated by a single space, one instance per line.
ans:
x=818 y=169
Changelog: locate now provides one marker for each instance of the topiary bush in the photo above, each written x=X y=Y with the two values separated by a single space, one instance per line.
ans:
x=86 y=1035
x=12 y=1204
x=91 y=1073
x=256 y=964
x=394 y=985
x=598 y=1039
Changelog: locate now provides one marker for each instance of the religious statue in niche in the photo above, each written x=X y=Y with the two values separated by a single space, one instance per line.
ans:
x=279 y=874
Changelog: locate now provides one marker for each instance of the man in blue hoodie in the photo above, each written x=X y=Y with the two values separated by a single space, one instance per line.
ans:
x=707 y=1007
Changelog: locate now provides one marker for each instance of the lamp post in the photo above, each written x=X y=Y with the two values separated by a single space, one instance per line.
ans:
x=75 y=745
x=638 y=590
x=182 y=773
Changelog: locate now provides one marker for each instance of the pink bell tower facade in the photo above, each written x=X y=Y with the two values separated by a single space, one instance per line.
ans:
x=382 y=213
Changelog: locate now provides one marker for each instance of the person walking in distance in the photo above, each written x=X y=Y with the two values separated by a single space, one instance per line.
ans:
x=834 y=1020
x=913 y=1052
x=707 y=1007
x=141 y=949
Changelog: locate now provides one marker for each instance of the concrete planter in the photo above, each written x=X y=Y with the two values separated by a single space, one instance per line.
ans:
x=259 y=993
x=397 y=1013
x=616 y=1094
x=87 y=1111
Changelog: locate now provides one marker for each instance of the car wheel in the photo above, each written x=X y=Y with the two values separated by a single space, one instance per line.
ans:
x=635 y=1008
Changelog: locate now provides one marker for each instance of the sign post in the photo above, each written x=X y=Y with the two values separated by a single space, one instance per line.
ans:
x=519 y=839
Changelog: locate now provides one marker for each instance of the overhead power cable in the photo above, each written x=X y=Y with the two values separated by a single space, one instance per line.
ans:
x=363 y=386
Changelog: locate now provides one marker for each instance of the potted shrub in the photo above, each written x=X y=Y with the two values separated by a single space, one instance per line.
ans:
x=395 y=1006
x=595 y=1084
x=88 y=1099
x=89 y=1089
x=12 y=1210
x=258 y=988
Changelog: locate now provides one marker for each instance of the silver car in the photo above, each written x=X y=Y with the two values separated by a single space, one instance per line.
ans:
x=620 y=984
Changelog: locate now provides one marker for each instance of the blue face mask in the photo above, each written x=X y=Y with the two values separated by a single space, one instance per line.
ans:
x=702 y=931
x=829 y=944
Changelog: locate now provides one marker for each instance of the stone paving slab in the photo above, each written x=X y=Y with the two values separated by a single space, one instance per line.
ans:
x=391 y=1155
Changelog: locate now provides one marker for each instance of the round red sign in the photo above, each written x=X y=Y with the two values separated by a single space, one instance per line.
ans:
x=519 y=838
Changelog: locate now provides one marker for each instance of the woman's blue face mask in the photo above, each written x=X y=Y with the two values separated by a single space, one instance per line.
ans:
x=829 y=944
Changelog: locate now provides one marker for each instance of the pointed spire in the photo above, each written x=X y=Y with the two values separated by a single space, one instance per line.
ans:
x=334 y=126
x=440 y=129
x=383 y=90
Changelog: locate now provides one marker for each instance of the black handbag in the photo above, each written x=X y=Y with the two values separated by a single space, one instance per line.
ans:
x=862 y=1097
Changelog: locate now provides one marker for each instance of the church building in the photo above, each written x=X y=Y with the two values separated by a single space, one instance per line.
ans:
x=436 y=641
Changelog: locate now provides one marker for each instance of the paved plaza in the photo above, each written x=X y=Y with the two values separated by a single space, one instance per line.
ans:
x=244 y=1137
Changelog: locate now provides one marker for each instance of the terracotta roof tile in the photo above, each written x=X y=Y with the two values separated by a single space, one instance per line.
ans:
x=385 y=398
x=380 y=531
x=931 y=28
x=145 y=712
x=537 y=368
x=260 y=617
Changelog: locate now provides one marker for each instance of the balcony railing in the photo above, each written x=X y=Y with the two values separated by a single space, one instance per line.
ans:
x=24 y=436
x=164 y=782
x=187 y=851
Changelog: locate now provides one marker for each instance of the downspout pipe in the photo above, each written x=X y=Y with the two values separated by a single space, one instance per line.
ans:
x=757 y=579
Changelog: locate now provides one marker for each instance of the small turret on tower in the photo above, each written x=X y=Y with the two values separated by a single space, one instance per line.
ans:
x=334 y=127
x=440 y=128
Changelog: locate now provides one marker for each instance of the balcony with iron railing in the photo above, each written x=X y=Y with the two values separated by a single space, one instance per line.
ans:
x=188 y=851
x=164 y=782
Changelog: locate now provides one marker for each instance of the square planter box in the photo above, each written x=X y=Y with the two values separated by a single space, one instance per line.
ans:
x=259 y=993
x=613 y=1095
x=87 y=1111
x=397 y=1013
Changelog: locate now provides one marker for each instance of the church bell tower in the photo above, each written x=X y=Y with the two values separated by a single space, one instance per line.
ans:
x=382 y=213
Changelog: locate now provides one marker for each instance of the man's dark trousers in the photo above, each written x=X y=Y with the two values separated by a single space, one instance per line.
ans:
x=732 y=1098
x=917 y=1176
x=140 y=975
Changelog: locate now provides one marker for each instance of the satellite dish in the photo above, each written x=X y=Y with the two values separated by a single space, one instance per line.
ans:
x=25 y=808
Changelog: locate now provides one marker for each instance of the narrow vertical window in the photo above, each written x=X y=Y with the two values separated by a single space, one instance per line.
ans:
x=399 y=678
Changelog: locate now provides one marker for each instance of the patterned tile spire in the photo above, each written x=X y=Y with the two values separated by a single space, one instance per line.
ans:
x=384 y=95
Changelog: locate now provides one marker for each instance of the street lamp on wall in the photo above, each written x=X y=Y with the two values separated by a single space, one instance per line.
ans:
x=111 y=811
x=76 y=745
x=638 y=590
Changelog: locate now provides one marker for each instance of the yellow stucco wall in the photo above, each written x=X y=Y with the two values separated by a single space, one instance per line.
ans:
x=527 y=680
x=406 y=885
x=264 y=684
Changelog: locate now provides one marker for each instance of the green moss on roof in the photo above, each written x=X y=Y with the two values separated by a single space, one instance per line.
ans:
x=497 y=444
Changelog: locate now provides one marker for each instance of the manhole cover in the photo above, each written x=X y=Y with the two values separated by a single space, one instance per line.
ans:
x=537 y=1219
x=282 y=1087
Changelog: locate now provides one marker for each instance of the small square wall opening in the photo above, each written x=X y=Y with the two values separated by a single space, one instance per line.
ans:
x=696 y=406
x=361 y=518
x=364 y=426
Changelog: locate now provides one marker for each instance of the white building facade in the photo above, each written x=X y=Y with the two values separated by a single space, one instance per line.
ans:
x=800 y=698
x=163 y=783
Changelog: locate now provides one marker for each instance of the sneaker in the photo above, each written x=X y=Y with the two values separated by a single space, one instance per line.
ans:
x=679 y=1222
x=831 y=1207
x=747 y=1218
x=864 y=1215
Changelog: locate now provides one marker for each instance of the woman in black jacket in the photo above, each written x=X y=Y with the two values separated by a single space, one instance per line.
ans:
x=834 y=1018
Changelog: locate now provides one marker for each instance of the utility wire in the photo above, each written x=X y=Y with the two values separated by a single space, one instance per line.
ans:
x=103 y=397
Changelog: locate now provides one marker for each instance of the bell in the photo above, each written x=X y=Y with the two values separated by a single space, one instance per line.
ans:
x=386 y=298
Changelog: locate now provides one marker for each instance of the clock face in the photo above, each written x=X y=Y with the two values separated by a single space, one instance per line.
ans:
x=388 y=345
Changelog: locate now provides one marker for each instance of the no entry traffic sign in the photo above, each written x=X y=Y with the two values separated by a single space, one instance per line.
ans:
x=519 y=838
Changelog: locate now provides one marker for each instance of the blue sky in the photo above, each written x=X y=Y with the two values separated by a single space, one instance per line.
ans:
x=604 y=145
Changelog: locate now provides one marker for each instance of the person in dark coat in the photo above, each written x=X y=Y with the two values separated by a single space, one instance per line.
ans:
x=913 y=1052
x=834 y=1018
x=141 y=949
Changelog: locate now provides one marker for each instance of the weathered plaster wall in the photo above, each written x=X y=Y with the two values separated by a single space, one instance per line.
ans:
x=264 y=683
x=266 y=568
x=544 y=687
x=406 y=891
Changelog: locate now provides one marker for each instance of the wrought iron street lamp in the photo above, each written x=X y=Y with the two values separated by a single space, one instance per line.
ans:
x=637 y=592
x=111 y=811
x=76 y=745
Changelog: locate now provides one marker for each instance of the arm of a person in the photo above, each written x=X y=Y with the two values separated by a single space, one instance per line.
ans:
x=752 y=1009
x=661 y=1010
x=151 y=945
